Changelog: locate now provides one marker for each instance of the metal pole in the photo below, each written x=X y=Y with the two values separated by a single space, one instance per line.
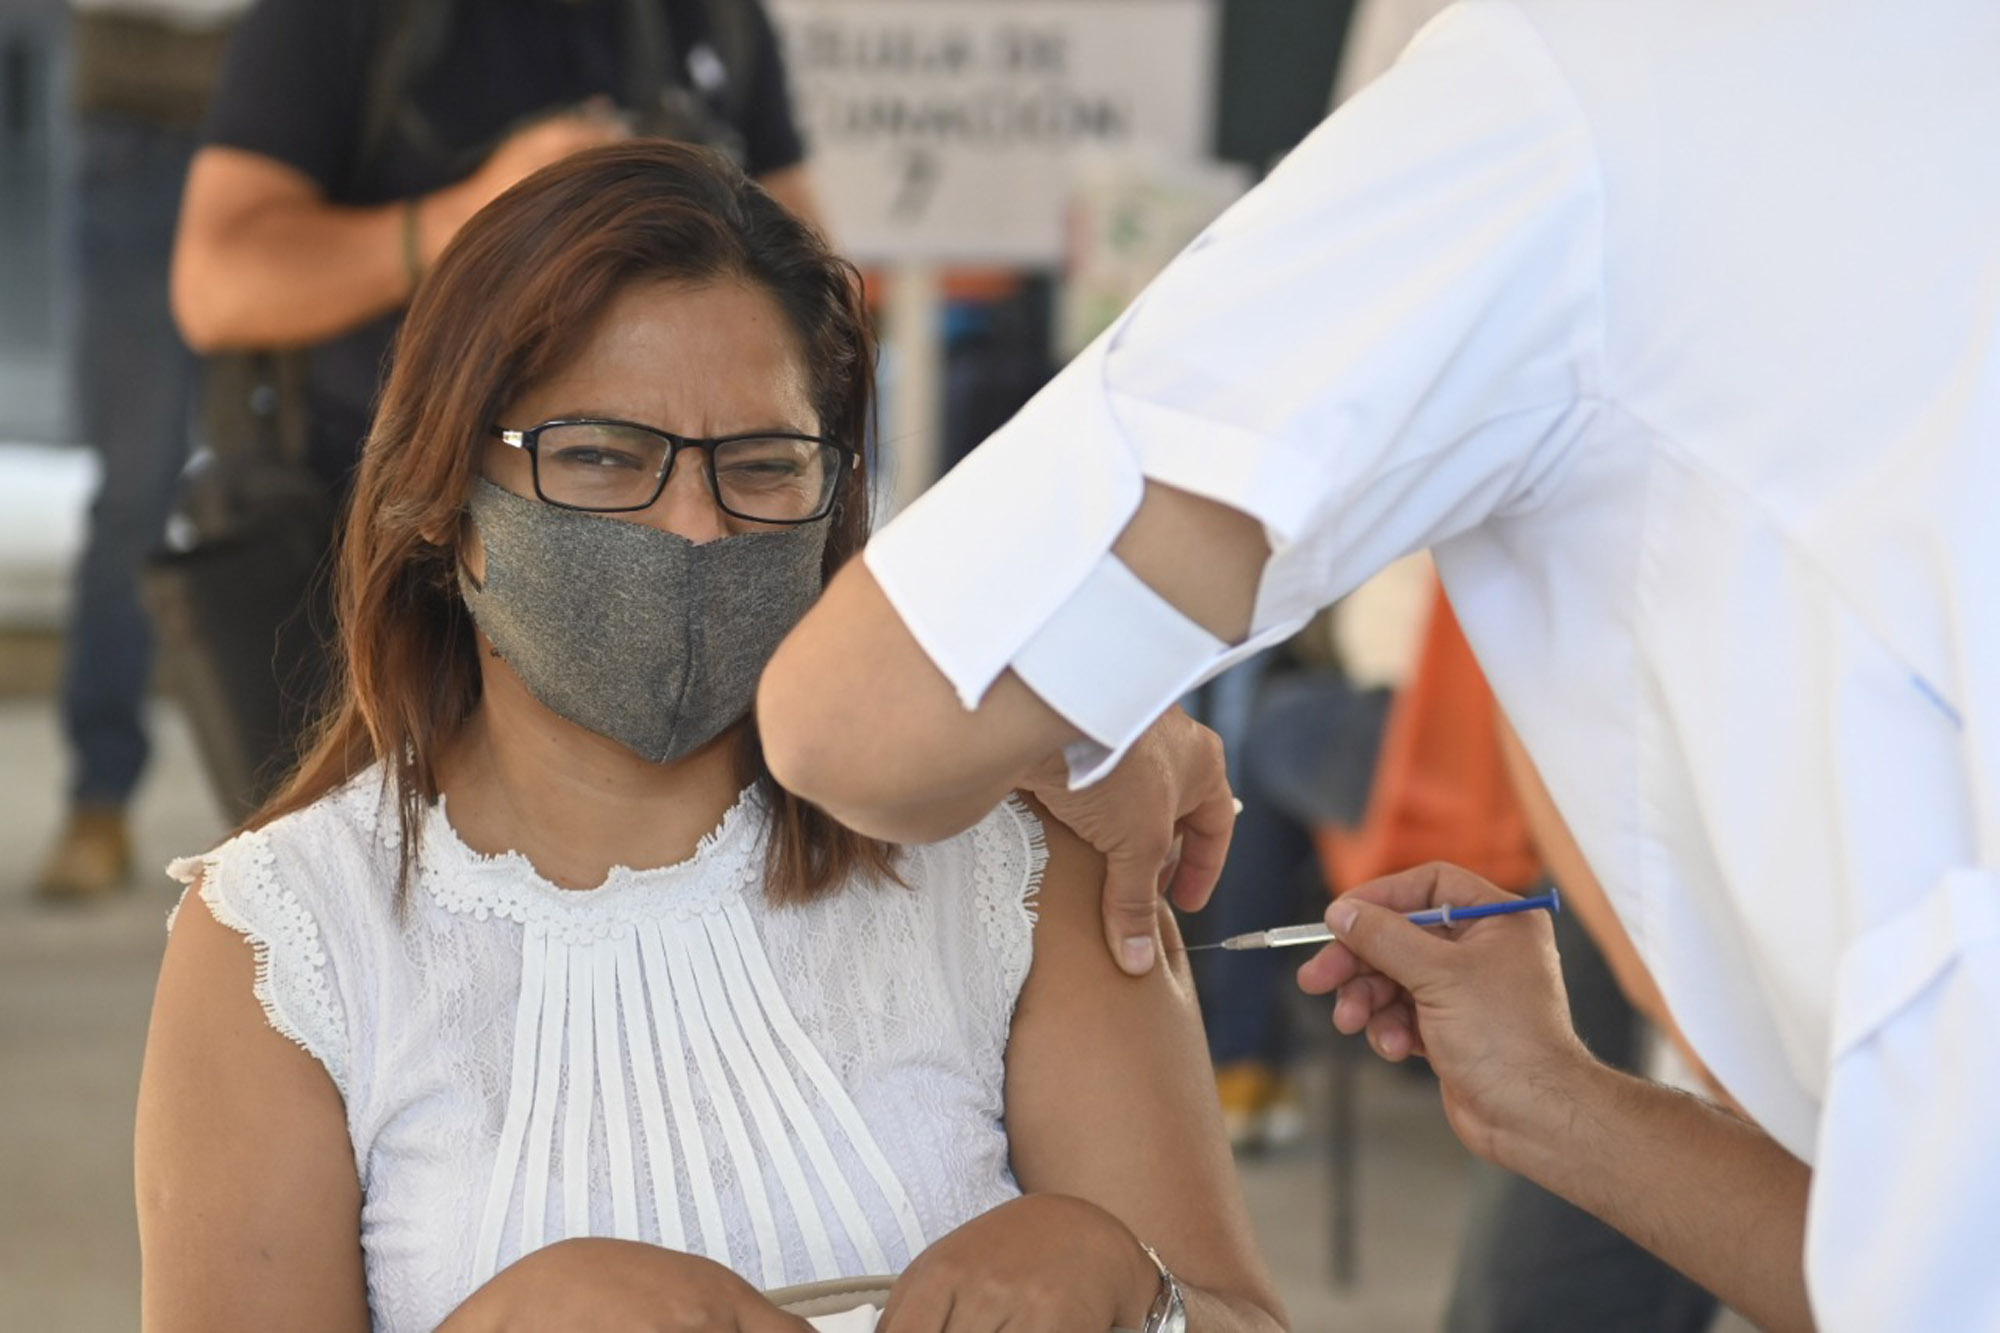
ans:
x=914 y=423
x=1345 y=1204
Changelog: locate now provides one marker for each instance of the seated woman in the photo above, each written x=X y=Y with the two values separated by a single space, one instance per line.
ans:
x=532 y=1003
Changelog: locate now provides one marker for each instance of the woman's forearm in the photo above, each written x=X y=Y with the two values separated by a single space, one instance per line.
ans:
x=1708 y=1192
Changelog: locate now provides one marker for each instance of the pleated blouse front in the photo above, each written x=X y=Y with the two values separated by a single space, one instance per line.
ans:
x=799 y=1093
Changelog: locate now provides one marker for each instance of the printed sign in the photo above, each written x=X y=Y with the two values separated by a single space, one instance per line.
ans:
x=944 y=130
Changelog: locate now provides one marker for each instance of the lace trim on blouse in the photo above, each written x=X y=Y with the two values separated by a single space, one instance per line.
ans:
x=1003 y=899
x=296 y=995
x=506 y=885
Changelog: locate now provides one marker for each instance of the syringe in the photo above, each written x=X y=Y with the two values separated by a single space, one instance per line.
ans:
x=1317 y=932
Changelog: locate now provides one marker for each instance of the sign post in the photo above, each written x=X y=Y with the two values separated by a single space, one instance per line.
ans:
x=914 y=412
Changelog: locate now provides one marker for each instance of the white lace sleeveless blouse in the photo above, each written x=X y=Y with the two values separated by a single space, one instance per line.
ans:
x=799 y=1093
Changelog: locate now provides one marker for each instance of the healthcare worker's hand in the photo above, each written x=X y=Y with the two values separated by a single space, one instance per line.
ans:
x=1483 y=1002
x=1162 y=819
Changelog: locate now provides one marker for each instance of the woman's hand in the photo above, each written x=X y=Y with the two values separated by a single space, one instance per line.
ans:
x=1484 y=1004
x=1162 y=819
x=1044 y=1262
x=617 y=1286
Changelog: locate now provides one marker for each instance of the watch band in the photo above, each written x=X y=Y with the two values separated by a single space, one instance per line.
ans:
x=1169 y=1312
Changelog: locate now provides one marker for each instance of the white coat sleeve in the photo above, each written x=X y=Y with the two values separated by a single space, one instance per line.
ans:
x=1388 y=340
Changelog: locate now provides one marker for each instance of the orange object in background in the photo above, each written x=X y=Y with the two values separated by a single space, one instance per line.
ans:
x=1442 y=790
x=956 y=284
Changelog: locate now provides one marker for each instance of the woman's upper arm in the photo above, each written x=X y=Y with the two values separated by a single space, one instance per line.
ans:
x=1111 y=1096
x=249 y=1204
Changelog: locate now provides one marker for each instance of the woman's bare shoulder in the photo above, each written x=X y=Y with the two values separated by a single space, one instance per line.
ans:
x=249 y=1204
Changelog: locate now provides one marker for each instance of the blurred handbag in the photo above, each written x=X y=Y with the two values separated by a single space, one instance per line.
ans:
x=242 y=598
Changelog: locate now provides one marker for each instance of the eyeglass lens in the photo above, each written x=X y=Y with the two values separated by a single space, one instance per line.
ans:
x=602 y=466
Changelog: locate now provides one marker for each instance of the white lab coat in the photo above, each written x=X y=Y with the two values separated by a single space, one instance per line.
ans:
x=1673 y=327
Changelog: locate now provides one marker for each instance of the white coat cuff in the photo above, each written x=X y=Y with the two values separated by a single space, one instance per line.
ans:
x=1114 y=657
x=955 y=565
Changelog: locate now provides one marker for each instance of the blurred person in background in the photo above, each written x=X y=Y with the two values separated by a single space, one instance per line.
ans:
x=349 y=141
x=141 y=80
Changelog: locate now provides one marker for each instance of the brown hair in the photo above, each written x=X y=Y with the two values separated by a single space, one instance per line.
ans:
x=509 y=303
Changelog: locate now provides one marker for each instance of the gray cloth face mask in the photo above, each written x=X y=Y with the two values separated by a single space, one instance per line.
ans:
x=639 y=635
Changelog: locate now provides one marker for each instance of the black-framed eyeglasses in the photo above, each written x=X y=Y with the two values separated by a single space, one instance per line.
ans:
x=613 y=467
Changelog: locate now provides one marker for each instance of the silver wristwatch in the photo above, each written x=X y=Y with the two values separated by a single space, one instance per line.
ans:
x=1169 y=1312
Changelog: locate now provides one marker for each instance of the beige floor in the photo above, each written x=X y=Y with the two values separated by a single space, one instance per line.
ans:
x=74 y=991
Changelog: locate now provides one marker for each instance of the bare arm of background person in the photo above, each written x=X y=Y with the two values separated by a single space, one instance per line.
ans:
x=263 y=259
x=792 y=187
